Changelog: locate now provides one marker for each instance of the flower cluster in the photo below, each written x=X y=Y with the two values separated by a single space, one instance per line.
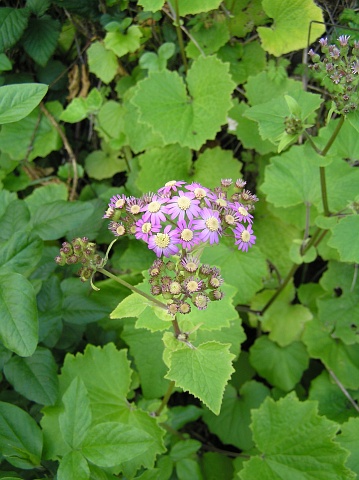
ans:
x=180 y=216
x=184 y=282
x=80 y=250
x=340 y=65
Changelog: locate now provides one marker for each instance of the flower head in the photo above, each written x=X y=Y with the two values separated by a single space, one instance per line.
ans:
x=190 y=263
x=183 y=205
x=164 y=243
x=241 y=212
x=155 y=210
x=188 y=237
x=343 y=40
x=170 y=187
x=355 y=67
x=201 y=193
x=244 y=237
x=145 y=229
x=209 y=225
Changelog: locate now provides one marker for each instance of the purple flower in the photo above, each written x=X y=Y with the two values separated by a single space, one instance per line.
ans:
x=170 y=186
x=164 y=243
x=155 y=210
x=188 y=237
x=145 y=229
x=334 y=52
x=355 y=67
x=190 y=263
x=242 y=212
x=201 y=192
x=210 y=226
x=244 y=237
x=134 y=205
x=117 y=229
x=192 y=285
x=336 y=77
x=323 y=42
x=343 y=40
x=183 y=204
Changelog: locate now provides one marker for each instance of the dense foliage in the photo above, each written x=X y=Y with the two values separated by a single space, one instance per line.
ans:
x=203 y=183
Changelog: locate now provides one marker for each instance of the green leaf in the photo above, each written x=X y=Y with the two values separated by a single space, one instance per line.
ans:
x=18 y=313
x=40 y=38
x=20 y=437
x=46 y=194
x=38 y=7
x=5 y=63
x=30 y=139
x=348 y=439
x=112 y=443
x=55 y=219
x=147 y=350
x=157 y=62
x=13 y=22
x=344 y=238
x=17 y=101
x=342 y=359
x=331 y=401
x=232 y=424
x=73 y=466
x=75 y=420
x=160 y=165
x=20 y=253
x=191 y=7
x=282 y=367
x=102 y=62
x=122 y=43
x=80 y=107
x=203 y=371
x=151 y=5
x=106 y=375
x=215 y=465
x=34 y=377
x=214 y=164
x=245 y=270
x=283 y=320
x=294 y=442
x=209 y=38
x=100 y=164
x=190 y=120
x=287 y=34
x=16 y=215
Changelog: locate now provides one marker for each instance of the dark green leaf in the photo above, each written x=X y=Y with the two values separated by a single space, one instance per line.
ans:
x=20 y=253
x=40 y=38
x=13 y=22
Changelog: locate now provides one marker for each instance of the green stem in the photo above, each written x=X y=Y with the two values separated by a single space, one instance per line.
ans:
x=180 y=36
x=323 y=187
x=165 y=399
x=176 y=327
x=333 y=137
x=134 y=289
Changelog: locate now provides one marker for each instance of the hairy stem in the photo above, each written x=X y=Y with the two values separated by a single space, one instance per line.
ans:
x=179 y=35
x=344 y=390
x=165 y=399
x=134 y=289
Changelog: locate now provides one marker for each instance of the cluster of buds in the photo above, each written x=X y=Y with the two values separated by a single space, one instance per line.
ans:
x=185 y=281
x=81 y=251
x=180 y=216
x=341 y=65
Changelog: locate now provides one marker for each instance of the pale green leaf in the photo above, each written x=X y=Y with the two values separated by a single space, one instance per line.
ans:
x=18 y=313
x=18 y=101
x=111 y=443
x=191 y=7
x=75 y=420
x=294 y=442
x=75 y=111
x=100 y=164
x=110 y=120
x=287 y=33
x=102 y=62
x=122 y=43
x=34 y=377
x=161 y=165
x=20 y=437
x=73 y=466
x=214 y=164
x=209 y=38
x=282 y=367
x=203 y=371
x=151 y=5
x=5 y=63
x=190 y=120
x=13 y=22
x=348 y=439
x=232 y=424
x=345 y=238
x=40 y=38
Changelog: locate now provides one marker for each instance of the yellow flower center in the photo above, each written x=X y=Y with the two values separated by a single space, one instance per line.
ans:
x=212 y=224
x=120 y=203
x=154 y=207
x=191 y=267
x=199 y=193
x=187 y=235
x=171 y=183
x=135 y=209
x=192 y=286
x=245 y=236
x=184 y=203
x=230 y=219
x=242 y=211
x=133 y=229
x=162 y=240
x=120 y=230
x=146 y=227
x=221 y=202
x=185 y=308
x=175 y=288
